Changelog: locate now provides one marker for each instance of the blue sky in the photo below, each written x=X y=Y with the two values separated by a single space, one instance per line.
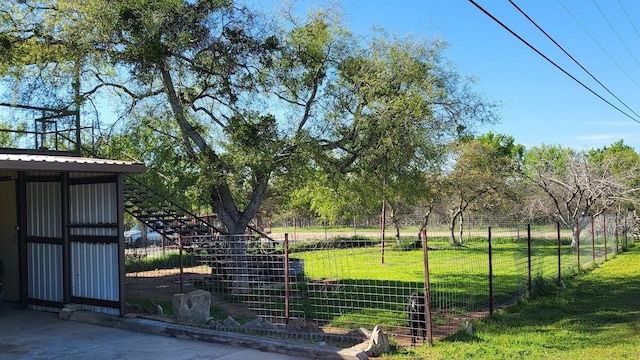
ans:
x=539 y=104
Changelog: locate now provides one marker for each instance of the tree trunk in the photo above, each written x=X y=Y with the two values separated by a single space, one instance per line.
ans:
x=452 y=227
x=575 y=236
x=396 y=224
x=461 y=227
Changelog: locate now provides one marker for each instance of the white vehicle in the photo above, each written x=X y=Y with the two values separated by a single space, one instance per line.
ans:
x=133 y=238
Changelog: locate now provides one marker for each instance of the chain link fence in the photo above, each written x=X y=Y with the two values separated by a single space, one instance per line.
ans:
x=346 y=281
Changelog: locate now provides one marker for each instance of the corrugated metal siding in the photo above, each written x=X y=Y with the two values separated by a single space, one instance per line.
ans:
x=45 y=271
x=93 y=204
x=77 y=175
x=94 y=269
x=44 y=209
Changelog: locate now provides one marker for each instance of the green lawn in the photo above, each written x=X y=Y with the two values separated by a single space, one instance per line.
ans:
x=364 y=291
x=596 y=317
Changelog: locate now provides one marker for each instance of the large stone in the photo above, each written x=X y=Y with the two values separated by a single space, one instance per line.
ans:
x=193 y=307
x=378 y=343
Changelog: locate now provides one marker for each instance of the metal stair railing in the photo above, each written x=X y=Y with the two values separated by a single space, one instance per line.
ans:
x=149 y=206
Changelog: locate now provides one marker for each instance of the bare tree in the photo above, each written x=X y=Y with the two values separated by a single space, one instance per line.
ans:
x=578 y=186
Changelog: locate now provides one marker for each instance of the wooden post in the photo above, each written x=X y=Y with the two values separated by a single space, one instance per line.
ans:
x=427 y=287
x=286 y=278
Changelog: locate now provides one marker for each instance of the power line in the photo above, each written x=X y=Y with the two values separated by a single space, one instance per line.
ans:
x=571 y=57
x=597 y=43
x=628 y=18
x=551 y=61
x=615 y=32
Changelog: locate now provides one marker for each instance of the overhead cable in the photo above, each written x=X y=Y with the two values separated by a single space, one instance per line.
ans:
x=615 y=32
x=597 y=43
x=551 y=61
x=628 y=18
x=571 y=57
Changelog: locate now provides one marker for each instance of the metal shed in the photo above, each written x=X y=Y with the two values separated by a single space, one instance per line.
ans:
x=62 y=231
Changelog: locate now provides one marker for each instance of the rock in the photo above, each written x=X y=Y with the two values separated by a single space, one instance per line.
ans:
x=297 y=324
x=230 y=322
x=378 y=343
x=294 y=325
x=259 y=323
x=361 y=333
x=194 y=307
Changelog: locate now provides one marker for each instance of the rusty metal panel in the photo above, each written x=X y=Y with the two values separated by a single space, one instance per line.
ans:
x=45 y=271
x=94 y=271
x=44 y=209
x=93 y=204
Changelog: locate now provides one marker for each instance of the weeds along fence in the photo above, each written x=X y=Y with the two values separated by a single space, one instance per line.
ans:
x=348 y=282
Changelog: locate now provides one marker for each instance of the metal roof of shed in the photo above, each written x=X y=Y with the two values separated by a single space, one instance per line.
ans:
x=29 y=162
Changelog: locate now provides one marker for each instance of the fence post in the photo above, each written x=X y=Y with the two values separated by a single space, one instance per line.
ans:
x=181 y=263
x=286 y=278
x=577 y=243
x=616 y=230
x=383 y=224
x=559 y=268
x=593 y=242
x=427 y=287
x=490 y=277
x=529 y=258
x=604 y=225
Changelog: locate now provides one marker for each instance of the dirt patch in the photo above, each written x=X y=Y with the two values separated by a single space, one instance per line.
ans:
x=159 y=285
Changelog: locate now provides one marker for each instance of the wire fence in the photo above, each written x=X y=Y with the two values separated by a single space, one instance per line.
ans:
x=348 y=282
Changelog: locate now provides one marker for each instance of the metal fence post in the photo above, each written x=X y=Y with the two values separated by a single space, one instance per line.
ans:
x=559 y=257
x=427 y=287
x=529 y=258
x=593 y=242
x=181 y=263
x=604 y=225
x=577 y=242
x=286 y=278
x=490 y=277
x=616 y=230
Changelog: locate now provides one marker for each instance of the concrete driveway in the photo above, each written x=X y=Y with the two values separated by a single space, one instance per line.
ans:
x=28 y=334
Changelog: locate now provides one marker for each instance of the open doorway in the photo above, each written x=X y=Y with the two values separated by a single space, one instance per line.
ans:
x=9 y=235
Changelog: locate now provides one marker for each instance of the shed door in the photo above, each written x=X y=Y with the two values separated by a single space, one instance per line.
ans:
x=45 y=246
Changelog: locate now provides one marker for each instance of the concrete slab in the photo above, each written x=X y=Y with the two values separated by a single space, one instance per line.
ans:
x=28 y=334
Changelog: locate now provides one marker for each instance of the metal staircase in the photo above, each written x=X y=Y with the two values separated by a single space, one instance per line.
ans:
x=152 y=208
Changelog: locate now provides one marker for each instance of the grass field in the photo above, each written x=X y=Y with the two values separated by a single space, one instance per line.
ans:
x=596 y=317
x=353 y=287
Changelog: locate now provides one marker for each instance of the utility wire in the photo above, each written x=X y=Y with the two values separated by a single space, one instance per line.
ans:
x=628 y=18
x=571 y=57
x=597 y=43
x=615 y=32
x=551 y=61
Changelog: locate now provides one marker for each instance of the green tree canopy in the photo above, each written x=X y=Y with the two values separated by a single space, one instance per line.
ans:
x=249 y=102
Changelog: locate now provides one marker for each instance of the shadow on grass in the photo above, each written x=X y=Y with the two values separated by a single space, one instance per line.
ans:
x=600 y=305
